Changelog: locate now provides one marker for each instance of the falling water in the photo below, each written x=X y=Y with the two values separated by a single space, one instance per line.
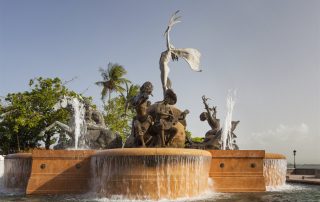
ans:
x=150 y=177
x=17 y=169
x=274 y=171
x=226 y=136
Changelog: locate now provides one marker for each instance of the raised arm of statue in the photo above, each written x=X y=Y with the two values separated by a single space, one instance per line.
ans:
x=211 y=117
x=173 y=20
x=190 y=55
x=206 y=106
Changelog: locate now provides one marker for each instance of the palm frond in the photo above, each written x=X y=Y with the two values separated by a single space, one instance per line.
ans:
x=100 y=83
x=104 y=74
x=119 y=89
x=113 y=79
x=104 y=93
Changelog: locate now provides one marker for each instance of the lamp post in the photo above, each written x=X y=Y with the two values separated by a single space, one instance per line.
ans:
x=294 y=159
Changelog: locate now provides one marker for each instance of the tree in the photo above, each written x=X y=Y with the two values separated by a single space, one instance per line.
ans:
x=194 y=139
x=112 y=80
x=120 y=113
x=131 y=91
x=27 y=113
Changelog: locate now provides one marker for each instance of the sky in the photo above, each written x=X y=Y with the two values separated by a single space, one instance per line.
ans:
x=268 y=51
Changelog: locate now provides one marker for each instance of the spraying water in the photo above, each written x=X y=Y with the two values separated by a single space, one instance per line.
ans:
x=80 y=128
x=226 y=137
x=77 y=125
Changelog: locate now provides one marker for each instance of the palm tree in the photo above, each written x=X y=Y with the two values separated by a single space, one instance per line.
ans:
x=131 y=92
x=112 y=80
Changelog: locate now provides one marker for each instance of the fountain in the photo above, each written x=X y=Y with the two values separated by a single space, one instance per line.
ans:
x=274 y=170
x=150 y=173
x=227 y=137
x=86 y=128
x=158 y=160
x=17 y=169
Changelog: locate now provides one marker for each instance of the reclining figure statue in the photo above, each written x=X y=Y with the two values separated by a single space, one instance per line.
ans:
x=88 y=123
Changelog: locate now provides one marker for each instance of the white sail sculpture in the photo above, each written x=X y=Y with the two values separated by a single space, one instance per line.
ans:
x=190 y=55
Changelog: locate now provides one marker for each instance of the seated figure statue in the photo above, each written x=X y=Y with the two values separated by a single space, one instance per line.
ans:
x=165 y=120
x=142 y=121
x=158 y=125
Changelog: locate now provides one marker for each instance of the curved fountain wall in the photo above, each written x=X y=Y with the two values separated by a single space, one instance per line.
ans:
x=17 y=169
x=274 y=169
x=150 y=173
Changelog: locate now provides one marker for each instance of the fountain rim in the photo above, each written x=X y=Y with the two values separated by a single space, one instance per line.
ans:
x=19 y=156
x=274 y=156
x=153 y=152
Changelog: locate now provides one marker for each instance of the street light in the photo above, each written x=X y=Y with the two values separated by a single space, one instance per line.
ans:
x=294 y=159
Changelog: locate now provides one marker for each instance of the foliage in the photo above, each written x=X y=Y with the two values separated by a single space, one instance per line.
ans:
x=194 y=139
x=120 y=114
x=197 y=139
x=131 y=92
x=24 y=115
x=188 y=134
x=27 y=113
x=112 y=80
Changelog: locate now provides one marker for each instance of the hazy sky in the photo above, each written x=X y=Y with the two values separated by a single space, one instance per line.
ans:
x=268 y=51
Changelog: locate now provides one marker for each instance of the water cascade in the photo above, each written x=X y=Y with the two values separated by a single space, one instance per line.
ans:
x=155 y=173
x=226 y=136
x=17 y=170
x=274 y=170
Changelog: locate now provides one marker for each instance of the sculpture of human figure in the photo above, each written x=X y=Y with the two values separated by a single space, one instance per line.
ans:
x=210 y=117
x=142 y=121
x=141 y=124
x=94 y=118
x=165 y=120
x=191 y=55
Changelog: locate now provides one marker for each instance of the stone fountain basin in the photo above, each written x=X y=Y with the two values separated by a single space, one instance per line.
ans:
x=81 y=171
x=151 y=173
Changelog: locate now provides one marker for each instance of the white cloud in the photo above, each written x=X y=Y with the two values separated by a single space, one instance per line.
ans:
x=284 y=139
x=282 y=132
